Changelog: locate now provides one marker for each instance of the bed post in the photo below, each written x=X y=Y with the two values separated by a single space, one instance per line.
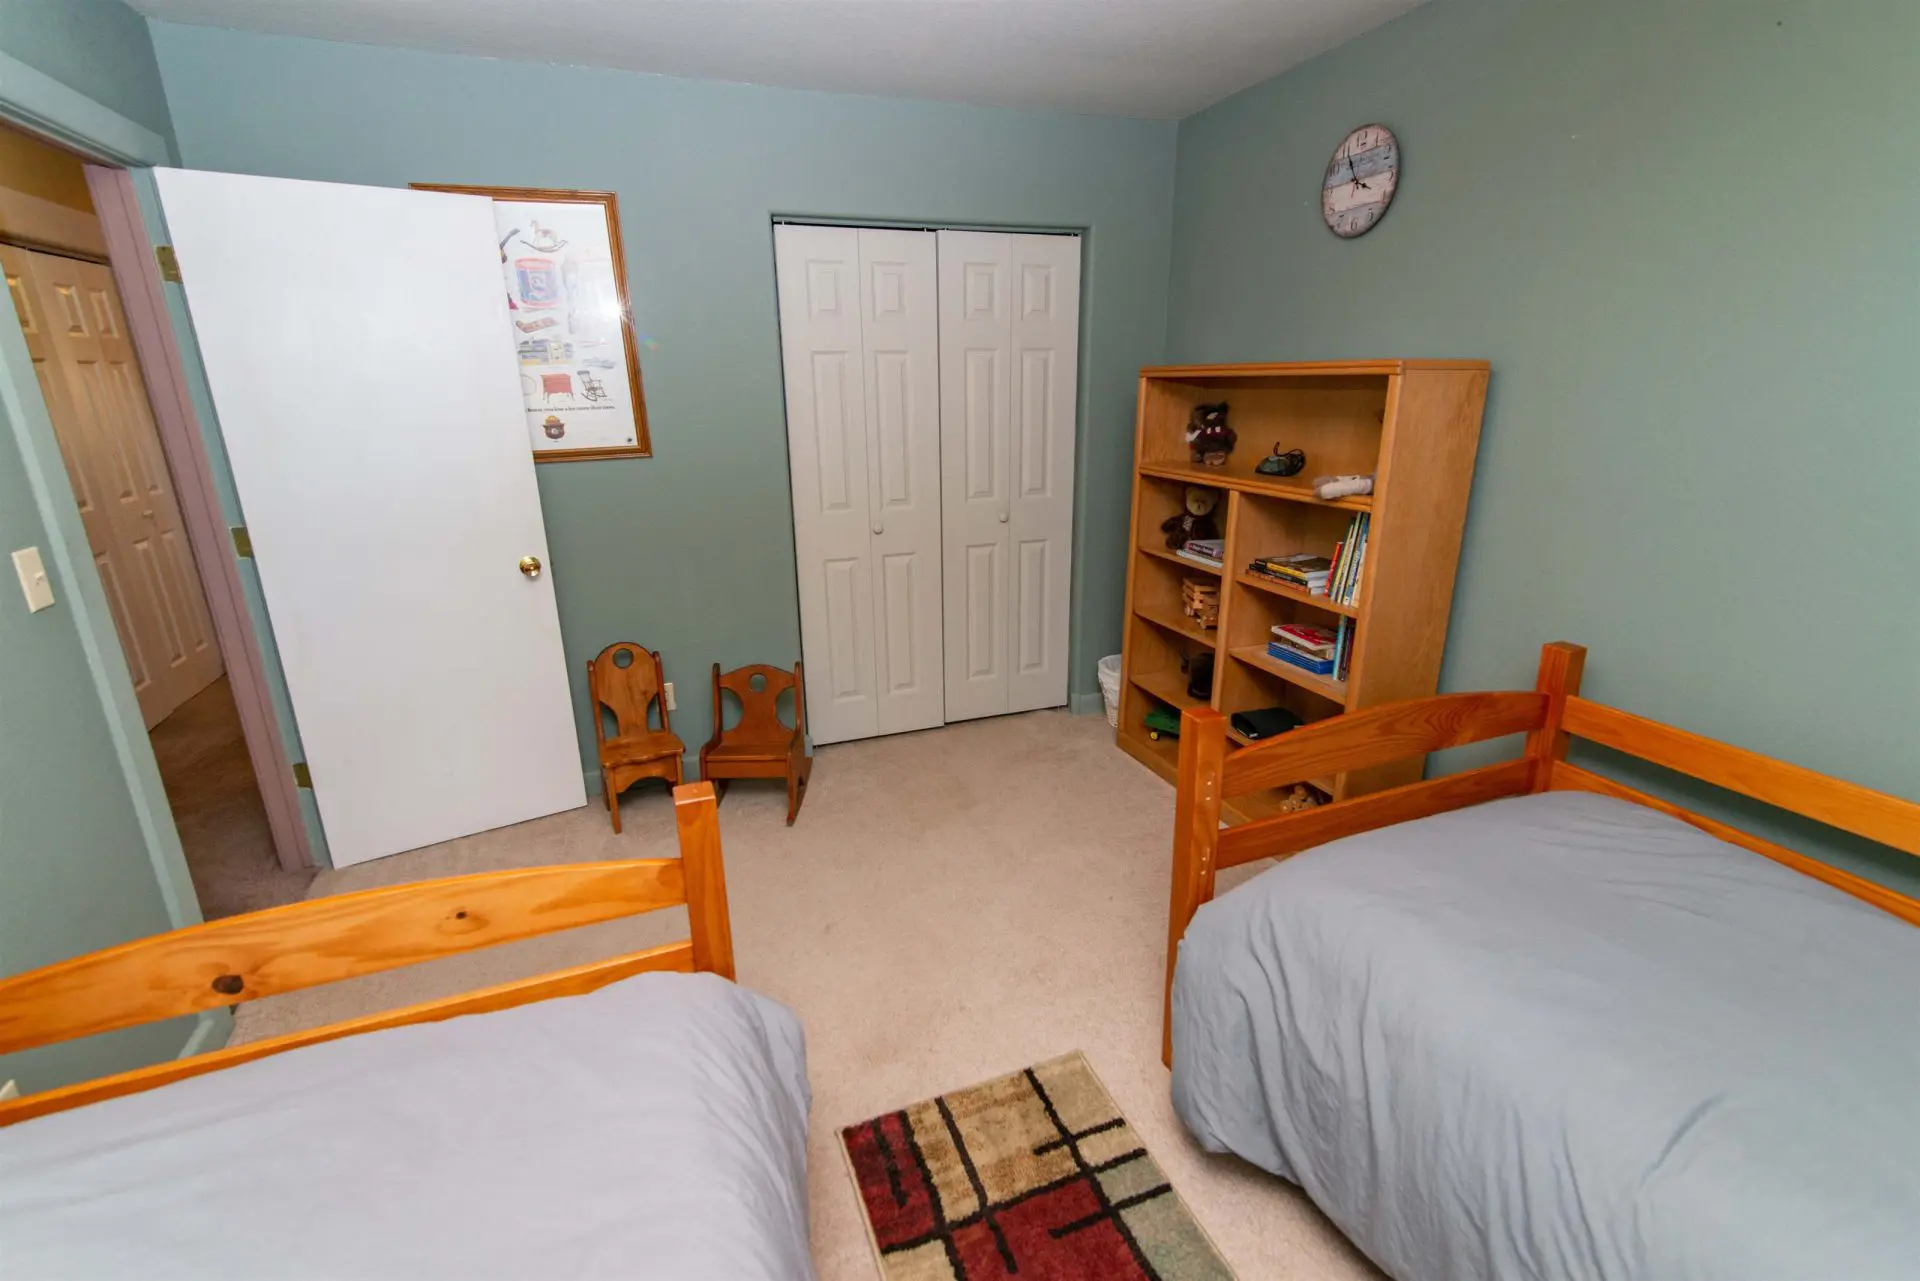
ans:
x=1561 y=666
x=1196 y=836
x=697 y=815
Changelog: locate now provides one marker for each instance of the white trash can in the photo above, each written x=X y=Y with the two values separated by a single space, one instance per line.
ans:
x=1109 y=671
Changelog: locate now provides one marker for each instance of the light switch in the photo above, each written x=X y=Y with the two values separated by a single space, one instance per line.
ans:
x=33 y=579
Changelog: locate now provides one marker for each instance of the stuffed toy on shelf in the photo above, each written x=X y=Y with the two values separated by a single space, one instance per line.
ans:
x=1196 y=521
x=1208 y=435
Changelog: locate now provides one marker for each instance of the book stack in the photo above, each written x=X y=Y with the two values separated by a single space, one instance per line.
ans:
x=1200 y=601
x=1307 y=572
x=1304 y=645
x=1349 y=559
x=1311 y=648
x=1204 y=551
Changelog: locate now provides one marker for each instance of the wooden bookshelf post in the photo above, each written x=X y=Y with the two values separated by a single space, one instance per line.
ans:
x=1415 y=426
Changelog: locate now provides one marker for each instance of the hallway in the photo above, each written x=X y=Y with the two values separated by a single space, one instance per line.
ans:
x=216 y=805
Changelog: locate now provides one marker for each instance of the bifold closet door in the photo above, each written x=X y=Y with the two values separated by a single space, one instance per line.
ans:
x=860 y=349
x=357 y=347
x=1009 y=362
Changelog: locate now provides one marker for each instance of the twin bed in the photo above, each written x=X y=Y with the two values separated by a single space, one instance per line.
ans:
x=1518 y=1021
x=653 y=1125
x=1525 y=1021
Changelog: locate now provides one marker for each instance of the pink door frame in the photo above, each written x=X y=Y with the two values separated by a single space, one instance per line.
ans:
x=130 y=254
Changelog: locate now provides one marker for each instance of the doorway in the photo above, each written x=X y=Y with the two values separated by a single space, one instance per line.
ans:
x=54 y=251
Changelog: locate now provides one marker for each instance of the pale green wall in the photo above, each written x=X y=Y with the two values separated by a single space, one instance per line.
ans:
x=1688 y=238
x=691 y=551
x=88 y=854
x=99 y=47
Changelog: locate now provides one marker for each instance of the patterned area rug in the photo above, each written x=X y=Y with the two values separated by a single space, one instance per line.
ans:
x=1034 y=1175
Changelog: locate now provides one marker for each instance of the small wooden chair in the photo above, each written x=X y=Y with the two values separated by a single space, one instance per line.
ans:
x=636 y=750
x=761 y=745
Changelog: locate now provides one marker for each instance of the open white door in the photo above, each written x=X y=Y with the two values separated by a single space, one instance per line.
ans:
x=356 y=345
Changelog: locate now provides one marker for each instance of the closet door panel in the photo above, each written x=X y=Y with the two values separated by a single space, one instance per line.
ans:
x=976 y=307
x=1044 y=363
x=900 y=326
x=818 y=273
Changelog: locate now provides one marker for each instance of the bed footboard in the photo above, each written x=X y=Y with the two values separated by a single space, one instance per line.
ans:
x=1357 y=740
x=284 y=949
x=1551 y=714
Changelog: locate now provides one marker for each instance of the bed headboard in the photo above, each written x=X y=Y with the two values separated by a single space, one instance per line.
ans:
x=1551 y=714
x=323 y=940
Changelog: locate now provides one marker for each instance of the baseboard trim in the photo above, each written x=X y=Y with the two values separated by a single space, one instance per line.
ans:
x=1087 y=704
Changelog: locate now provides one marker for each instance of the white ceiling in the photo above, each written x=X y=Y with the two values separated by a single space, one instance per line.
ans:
x=1153 y=58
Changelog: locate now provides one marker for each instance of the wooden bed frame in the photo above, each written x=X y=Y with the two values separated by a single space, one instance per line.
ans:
x=1550 y=715
x=283 y=949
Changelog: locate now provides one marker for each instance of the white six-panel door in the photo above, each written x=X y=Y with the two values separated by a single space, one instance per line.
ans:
x=1044 y=368
x=1009 y=358
x=859 y=345
x=975 y=495
x=357 y=346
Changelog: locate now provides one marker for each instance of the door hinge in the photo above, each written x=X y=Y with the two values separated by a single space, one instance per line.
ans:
x=242 y=542
x=302 y=776
x=169 y=262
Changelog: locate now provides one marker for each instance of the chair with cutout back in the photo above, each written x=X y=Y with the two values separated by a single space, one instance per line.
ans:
x=627 y=680
x=761 y=745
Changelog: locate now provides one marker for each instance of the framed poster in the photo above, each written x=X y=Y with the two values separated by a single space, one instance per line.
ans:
x=566 y=286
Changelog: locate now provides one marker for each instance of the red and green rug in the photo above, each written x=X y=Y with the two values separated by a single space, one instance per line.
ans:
x=1035 y=1175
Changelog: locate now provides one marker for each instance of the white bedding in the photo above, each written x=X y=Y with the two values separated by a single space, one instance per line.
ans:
x=656 y=1128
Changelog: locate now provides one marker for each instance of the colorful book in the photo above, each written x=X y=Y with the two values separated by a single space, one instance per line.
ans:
x=1318 y=666
x=1315 y=641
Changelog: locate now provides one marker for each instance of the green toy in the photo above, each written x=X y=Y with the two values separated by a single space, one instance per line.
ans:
x=1162 y=721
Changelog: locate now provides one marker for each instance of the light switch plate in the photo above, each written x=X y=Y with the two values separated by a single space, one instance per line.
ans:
x=33 y=579
x=667 y=691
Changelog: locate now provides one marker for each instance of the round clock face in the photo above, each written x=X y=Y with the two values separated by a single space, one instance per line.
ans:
x=1360 y=181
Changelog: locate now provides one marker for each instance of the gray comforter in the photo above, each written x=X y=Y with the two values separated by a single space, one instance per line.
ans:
x=1564 y=1036
x=656 y=1128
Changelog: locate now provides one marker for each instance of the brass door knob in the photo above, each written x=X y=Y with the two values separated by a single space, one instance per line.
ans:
x=530 y=566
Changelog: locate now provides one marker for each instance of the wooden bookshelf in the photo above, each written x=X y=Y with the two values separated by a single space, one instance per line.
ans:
x=1415 y=426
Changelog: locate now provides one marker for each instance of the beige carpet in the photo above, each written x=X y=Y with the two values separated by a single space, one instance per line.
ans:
x=217 y=808
x=950 y=906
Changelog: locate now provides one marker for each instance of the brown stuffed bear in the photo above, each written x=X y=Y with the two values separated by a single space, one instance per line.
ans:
x=1196 y=521
x=1208 y=435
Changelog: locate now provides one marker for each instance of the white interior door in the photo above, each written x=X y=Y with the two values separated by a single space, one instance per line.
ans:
x=76 y=332
x=976 y=342
x=1044 y=368
x=1009 y=360
x=858 y=328
x=357 y=346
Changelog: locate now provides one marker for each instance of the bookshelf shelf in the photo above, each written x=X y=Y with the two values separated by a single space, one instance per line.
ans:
x=1175 y=558
x=1169 y=688
x=1260 y=584
x=1175 y=621
x=1414 y=426
x=1251 y=482
x=1325 y=686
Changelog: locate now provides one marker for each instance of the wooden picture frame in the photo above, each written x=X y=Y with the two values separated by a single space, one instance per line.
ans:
x=560 y=310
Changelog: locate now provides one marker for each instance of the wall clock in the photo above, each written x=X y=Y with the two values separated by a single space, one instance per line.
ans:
x=1360 y=182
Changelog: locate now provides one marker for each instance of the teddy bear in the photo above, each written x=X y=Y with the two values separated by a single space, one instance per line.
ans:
x=1208 y=435
x=1194 y=522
